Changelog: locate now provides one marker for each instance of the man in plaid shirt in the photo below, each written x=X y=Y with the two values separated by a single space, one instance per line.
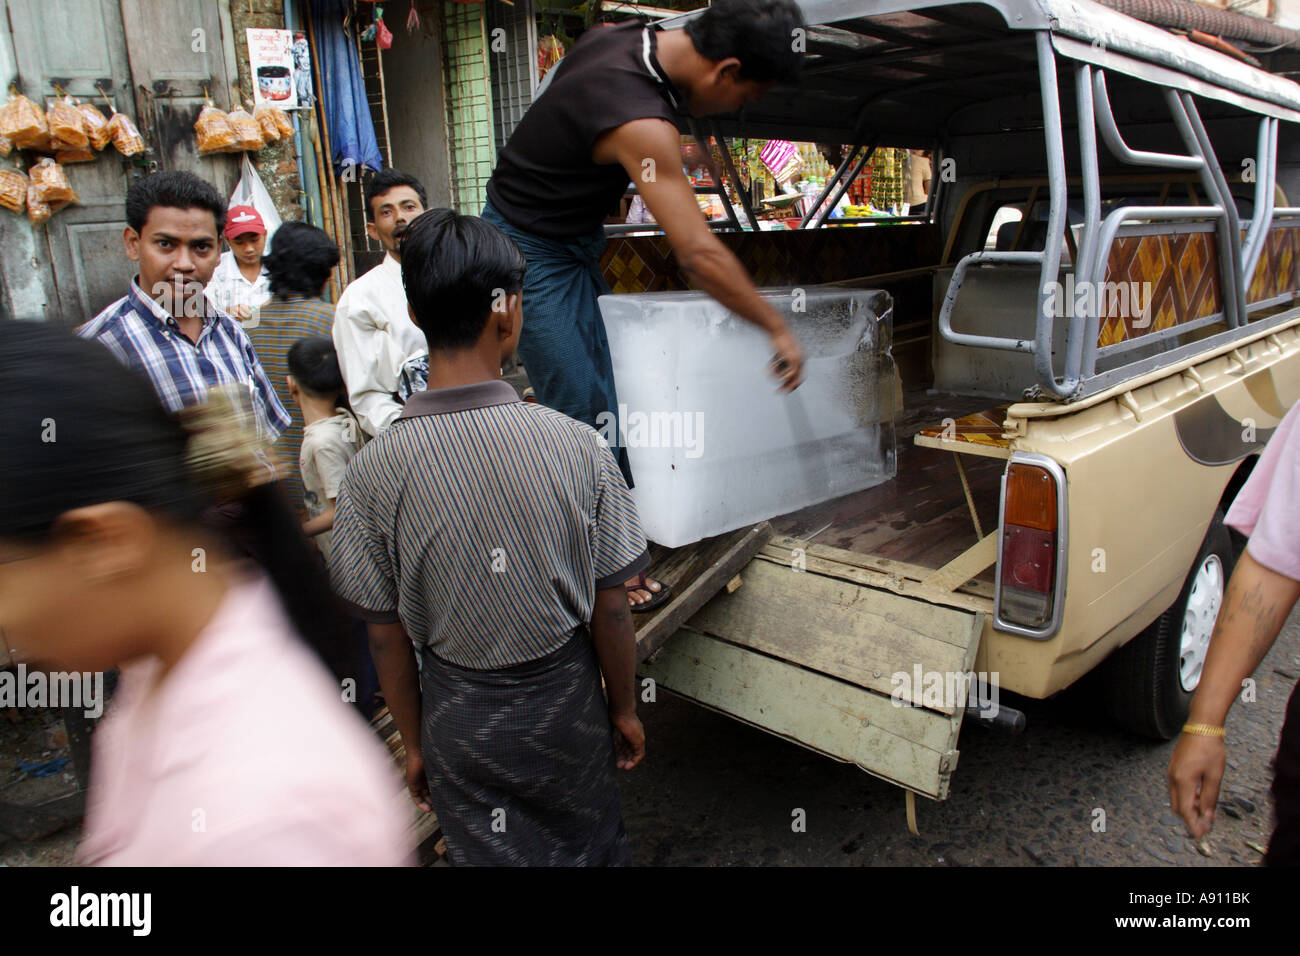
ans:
x=164 y=326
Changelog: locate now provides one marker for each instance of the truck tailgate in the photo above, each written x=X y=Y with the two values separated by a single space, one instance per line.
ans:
x=811 y=655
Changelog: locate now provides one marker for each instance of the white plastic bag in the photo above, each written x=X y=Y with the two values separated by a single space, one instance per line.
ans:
x=251 y=192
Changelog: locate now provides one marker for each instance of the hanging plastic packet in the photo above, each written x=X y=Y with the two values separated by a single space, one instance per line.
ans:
x=38 y=210
x=383 y=35
x=125 y=136
x=213 y=131
x=13 y=189
x=6 y=146
x=248 y=132
x=79 y=154
x=96 y=125
x=67 y=127
x=283 y=122
x=50 y=182
x=270 y=128
x=23 y=122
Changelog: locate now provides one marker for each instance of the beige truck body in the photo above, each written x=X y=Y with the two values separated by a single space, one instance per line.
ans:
x=848 y=637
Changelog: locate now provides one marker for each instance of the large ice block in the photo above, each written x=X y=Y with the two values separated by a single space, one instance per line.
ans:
x=713 y=445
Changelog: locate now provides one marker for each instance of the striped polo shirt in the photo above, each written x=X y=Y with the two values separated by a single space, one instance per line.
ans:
x=485 y=525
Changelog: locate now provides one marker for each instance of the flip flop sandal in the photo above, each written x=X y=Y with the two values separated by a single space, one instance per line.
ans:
x=656 y=599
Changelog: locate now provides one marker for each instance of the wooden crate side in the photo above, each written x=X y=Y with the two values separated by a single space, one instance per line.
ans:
x=907 y=746
x=855 y=633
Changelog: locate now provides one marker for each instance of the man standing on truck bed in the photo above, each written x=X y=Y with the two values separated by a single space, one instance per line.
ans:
x=612 y=116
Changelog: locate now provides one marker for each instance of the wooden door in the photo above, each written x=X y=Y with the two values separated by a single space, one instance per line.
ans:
x=155 y=57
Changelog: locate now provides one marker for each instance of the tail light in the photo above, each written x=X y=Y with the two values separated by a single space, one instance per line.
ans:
x=1031 y=547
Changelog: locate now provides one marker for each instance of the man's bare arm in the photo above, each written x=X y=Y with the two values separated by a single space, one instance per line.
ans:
x=1255 y=607
x=390 y=648
x=614 y=640
x=650 y=151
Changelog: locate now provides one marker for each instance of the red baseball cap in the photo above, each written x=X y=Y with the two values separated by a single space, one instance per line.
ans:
x=242 y=219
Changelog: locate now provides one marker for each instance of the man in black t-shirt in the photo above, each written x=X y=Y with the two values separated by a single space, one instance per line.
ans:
x=606 y=114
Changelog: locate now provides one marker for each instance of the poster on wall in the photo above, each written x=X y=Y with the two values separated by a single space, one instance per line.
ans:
x=280 y=63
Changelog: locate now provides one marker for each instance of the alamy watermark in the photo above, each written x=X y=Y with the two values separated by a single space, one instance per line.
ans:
x=24 y=688
x=640 y=429
x=946 y=690
x=1123 y=300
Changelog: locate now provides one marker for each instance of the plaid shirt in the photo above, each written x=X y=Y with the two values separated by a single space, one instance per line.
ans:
x=142 y=336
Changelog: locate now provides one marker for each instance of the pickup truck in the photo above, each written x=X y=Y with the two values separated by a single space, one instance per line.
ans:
x=1095 y=332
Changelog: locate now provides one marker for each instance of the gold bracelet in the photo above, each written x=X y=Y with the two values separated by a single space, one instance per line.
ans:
x=1205 y=730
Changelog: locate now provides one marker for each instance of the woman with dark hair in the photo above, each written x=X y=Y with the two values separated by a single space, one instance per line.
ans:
x=299 y=265
x=228 y=742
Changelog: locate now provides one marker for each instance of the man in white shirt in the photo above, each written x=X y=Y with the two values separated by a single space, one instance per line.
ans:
x=382 y=353
x=240 y=284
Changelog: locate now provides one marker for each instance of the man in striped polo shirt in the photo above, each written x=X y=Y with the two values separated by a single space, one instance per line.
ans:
x=495 y=536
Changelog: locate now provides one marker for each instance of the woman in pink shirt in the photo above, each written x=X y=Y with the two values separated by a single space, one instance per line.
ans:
x=228 y=741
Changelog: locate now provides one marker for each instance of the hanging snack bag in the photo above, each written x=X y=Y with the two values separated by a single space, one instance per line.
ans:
x=266 y=122
x=50 y=182
x=248 y=132
x=6 y=146
x=282 y=121
x=96 y=125
x=38 y=210
x=22 y=122
x=78 y=154
x=213 y=131
x=13 y=189
x=67 y=127
x=125 y=136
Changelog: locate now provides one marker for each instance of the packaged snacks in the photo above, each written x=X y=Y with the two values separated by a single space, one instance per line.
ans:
x=270 y=128
x=6 y=146
x=49 y=181
x=282 y=121
x=38 y=211
x=125 y=136
x=67 y=128
x=248 y=132
x=96 y=125
x=213 y=131
x=13 y=189
x=76 y=154
x=23 y=123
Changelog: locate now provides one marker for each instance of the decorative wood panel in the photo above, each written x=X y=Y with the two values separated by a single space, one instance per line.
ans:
x=1175 y=276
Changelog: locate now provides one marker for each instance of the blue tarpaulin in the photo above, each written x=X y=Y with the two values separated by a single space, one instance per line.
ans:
x=343 y=94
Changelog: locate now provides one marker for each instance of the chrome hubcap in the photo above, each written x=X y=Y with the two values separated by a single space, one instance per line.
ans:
x=1198 y=621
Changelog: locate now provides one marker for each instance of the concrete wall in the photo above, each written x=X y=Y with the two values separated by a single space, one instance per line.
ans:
x=417 y=110
x=277 y=163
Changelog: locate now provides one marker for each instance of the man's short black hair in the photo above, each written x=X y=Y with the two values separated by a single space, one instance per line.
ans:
x=300 y=260
x=759 y=33
x=456 y=269
x=387 y=179
x=314 y=365
x=175 y=190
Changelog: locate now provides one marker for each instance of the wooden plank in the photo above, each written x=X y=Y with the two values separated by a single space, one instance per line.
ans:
x=696 y=572
x=966 y=565
x=854 y=633
x=976 y=597
x=872 y=562
x=907 y=746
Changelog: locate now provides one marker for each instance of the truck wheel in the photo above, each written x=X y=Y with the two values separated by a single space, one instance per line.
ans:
x=1149 y=681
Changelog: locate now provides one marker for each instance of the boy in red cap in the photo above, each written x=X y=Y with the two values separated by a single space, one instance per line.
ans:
x=240 y=285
